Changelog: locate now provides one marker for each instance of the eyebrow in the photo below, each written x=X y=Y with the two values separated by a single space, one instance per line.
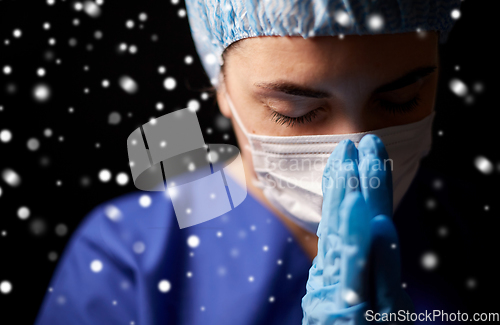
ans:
x=406 y=80
x=293 y=89
x=297 y=90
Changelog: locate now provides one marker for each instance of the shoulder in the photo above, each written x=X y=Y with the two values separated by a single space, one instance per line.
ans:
x=112 y=247
x=133 y=210
x=122 y=227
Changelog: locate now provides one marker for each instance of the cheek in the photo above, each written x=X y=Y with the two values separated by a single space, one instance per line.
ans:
x=223 y=105
x=243 y=145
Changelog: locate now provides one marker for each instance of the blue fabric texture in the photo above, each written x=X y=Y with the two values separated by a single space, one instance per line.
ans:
x=242 y=268
x=215 y=24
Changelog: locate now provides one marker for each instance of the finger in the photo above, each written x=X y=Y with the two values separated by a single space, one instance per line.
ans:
x=375 y=173
x=340 y=167
x=355 y=233
x=386 y=265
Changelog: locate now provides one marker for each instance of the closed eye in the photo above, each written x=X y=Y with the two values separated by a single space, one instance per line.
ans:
x=400 y=108
x=289 y=121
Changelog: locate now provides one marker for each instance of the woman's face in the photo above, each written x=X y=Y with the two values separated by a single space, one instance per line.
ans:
x=286 y=86
x=289 y=86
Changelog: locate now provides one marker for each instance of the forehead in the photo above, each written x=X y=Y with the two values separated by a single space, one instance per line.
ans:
x=328 y=57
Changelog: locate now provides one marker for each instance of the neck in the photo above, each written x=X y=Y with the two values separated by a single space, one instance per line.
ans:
x=308 y=241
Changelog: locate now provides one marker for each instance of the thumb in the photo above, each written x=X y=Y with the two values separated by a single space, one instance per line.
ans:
x=387 y=294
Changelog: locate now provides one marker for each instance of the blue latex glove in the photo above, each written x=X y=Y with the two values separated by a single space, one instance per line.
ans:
x=357 y=268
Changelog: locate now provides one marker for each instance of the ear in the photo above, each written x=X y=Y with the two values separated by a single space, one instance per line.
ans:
x=221 y=99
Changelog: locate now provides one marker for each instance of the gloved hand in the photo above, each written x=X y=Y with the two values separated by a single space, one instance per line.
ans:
x=357 y=268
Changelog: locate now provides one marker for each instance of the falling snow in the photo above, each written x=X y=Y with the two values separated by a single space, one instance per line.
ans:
x=132 y=49
x=52 y=256
x=351 y=297
x=483 y=164
x=38 y=227
x=17 y=33
x=342 y=18
x=222 y=123
x=96 y=266
x=169 y=83
x=23 y=213
x=33 y=144
x=193 y=241
x=210 y=59
x=437 y=184
x=122 y=179
x=139 y=247
x=104 y=175
x=443 y=231
x=455 y=14
x=375 y=22
x=5 y=136
x=471 y=283
x=429 y=261
x=113 y=213
x=458 y=87
x=431 y=204
x=7 y=70
x=40 y=72
x=478 y=87
x=114 y=118
x=145 y=201
x=11 y=177
x=5 y=287
x=61 y=230
x=130 y=24
x=92 y=9
x=193 y=105
x=128 y=84
x=164 y=286
x=41 y=93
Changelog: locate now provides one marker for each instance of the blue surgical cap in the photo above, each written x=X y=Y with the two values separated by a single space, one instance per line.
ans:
x=216 y=24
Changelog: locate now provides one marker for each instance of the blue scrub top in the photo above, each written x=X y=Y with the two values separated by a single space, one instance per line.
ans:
x=129 y=263
x=241 y=268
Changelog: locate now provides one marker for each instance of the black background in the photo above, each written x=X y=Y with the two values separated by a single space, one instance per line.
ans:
x=469 y=127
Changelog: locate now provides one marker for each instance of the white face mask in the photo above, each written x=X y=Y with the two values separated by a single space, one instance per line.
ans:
x=290 y=168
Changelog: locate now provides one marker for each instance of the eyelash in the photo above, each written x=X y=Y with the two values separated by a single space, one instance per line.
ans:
x=391 y=107
x=291 y=121
x=400 y=108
